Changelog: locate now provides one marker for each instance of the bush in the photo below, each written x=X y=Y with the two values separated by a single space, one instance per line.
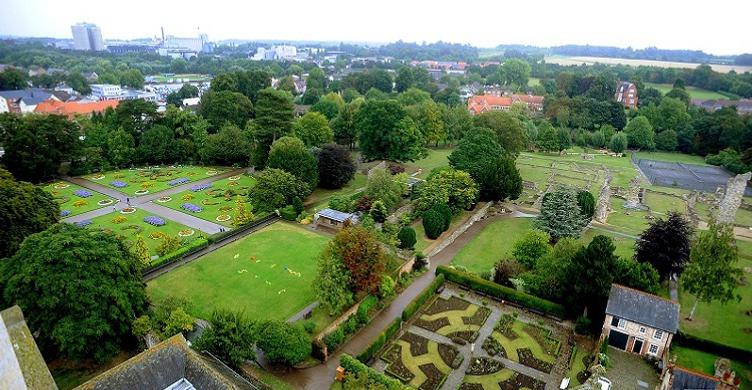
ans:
x=334 y=339
x=420 y=262
x=380 y=341
x=353 y=366
x=713 y=347
x=586 y=201
x=288 y=213
x=365 y=307
x=297 y=204
x=582 y=326
x=193 y=246
x=309 y=326
x=378 y=211
x=426 y=294
x=284 y=343
x=433 y=223
x=500 y=291
x=446 y=214
x=341 y=203
x=386 y=290
x=407 y=238
x=351 y=325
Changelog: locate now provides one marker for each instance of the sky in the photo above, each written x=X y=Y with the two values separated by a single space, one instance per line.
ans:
x=720 y=27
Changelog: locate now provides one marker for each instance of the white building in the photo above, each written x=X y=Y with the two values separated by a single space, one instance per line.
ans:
x=284 y=52
x=193 y=44
x=106 y=91
x=87 y=36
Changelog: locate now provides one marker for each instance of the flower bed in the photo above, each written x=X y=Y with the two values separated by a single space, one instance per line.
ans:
x=434 y=325
x=468 y=336
x=542 y=336
x=96 y=177
x=484 y=366
x=154 y=220
x=435 y=378
x=82 y=193
x=132 y=227
x=450 y=355
x=128 y=210
x=119 y=219
x=105 y=202
x=141 y=192
x=395 y=367
x=441 y=305
x=191 y=207
x=164 y=199
x=479 y=318
x=522 y=381
x=80 y=203
x=84 y=223
x=493 y=347
x=201 y=187
x=527 y=359
x=504 y=326
x=178 y=181
x=186 y=232
x=61 y=185
x=118 y=184
x=233 y=178
x=211 y=172
x=64 y=213
x=223 y=218
x=418 y=344
x=157 y=235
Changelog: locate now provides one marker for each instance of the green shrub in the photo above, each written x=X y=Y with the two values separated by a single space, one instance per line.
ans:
x=582 y=326
x=193 y=246
x=500 y=291
x=334 y=339
x=309 y=326
x=288 y=213
x=351 y=325
x=433 y=223
x=386 y=289
x=420 y=262
x=341 y=203
x=297 y=204
x=446 y=214
x=713 y=347
x=365 y=306
x=407 y=237
x=353 y=366
x=424 y=296
x=380 y=341
x=378 y=211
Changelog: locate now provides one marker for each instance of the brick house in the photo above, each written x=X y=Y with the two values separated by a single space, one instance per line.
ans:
x=482 y=103
x=334 y=219
x=639 y=322
x=675 y=377
x=626 y=94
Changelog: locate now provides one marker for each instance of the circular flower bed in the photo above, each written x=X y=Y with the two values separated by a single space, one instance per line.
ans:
x=96 y=177
x=186 y=232
x=61 y=185
x=105 y=202
x=128 y=210
x=157 y=235
x=164 y=199
x=223 y=218
x=233 y=178
x=211 y=173
x=232 y=184
x=141 y=192
x=82 y=193
x=118 y=184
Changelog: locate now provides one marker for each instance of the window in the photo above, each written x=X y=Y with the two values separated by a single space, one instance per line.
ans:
x=614 y=321
x=642 y=329
x=622 y=323
x=653 y=349
x=658 y=334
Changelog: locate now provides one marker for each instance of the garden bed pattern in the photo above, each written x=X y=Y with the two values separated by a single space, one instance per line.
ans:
x=454 y=318
x=528 y=344
x=74 y=199
x=420 y=362
x=141 y=181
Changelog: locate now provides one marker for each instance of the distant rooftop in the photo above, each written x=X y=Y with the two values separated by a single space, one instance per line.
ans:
x=336 y=215
x=644 y=308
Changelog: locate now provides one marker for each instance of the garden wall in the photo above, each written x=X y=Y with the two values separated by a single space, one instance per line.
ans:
x=458 y=232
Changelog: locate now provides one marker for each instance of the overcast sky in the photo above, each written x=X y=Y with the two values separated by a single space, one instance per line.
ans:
x=718 y=27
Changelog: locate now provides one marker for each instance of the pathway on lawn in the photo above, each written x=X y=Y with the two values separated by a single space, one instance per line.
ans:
x=183 y=218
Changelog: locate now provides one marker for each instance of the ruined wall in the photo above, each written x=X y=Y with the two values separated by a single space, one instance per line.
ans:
x=733 y=197
x=604 y=200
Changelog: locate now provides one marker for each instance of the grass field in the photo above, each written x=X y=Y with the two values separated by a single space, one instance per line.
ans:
x=215 y=201
x=579 y=60
x=71 y=204
x=694 y=93
x=267 y=274
x=704 y=362
x=436 y=158
x=134 y=224
x=151 y=179
x=192 y=77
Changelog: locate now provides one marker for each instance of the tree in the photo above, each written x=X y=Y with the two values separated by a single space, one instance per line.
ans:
x=665 y=244
x=449 y=187
x=313 y=128
x=243 y=215
x=120 y=148
x=506 y=269
x=378 y=211
x=711 y=274
x=284 y=343
x=550 y=279
x=225 y=106
x=586 y=201
x=560 y=214
x=231 y=337
x=24 y=210
x=336 y=166
x=332 y=284
x=433 y=223
x=82 y=308
x=185 y=92
x=407 y=237
x=275 y=189
x=328 y=107
x=291 y=155
x=531 y=247
x=510 y=133
x=132 y=78
x=618 y=142
x=157 y=145
x=227 y=147
x=361 y=254
x=565 y=142
x=386 y=132
x=382 y=186
x=429 y=121
x=274 y=118
x=344 y=124
x=592 y=272
x=548 y=138
x=12 y=79
x=140 y=251
x=516 y=72
x=667 y=140
x=641 y=276
x=640 y=133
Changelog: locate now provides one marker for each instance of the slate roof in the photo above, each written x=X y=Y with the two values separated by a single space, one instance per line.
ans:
x=686 y=379
x=641 y=307
x=336 y=215
x=30 y=96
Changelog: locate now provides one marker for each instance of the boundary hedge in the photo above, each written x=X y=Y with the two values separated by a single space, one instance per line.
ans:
x=427 y=293
x=352 y=365
x=379 y=342
x=712 y=347
x=503 y=292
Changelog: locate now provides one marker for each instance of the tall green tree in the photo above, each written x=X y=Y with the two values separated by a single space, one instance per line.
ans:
x=225 y=106
x=386 y=132
x=560 y=214
x=283 y=342
x=592 y=272
x=231 y=337
x=228 y=146
x=640 y=133
x=275 y=189
x=120 y=148
x=313 y=129
x=449 y=187
x=332 y=284
x=336 y=166
x=531 y=247
x=510 y=133
x=345 y=125
x=291 y=155
x=274 y=118
x=666 y=244
x=382 y=186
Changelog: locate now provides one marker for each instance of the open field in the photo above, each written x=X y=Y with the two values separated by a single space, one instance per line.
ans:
x=694 y=92
x=130 y=225
x=219 y=199
x=151 y=179
x=186 y=77
x=579 y=60
x=267 y=274
x=74 y=199
x=704 y=362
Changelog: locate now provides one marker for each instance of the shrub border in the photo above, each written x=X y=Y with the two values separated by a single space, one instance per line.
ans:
x=352 y=365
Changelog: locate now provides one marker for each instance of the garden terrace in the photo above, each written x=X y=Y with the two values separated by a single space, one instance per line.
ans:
x=530 y=345
x=129 y=222
x=454 y=318
x=420 y=362
x=215 y=203
x=150 y=180
x=268 y=274
x=74 y=199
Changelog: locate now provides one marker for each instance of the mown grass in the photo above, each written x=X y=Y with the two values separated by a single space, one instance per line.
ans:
x=69 y=201
x=153 y=179
x=705 y=362
x=694 y=92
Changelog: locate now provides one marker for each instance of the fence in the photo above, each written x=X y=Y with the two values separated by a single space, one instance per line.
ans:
x=686 y=176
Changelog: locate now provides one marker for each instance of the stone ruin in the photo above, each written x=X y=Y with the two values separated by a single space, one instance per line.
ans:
x=604 y=200
x=634 y=199
x=732 y=199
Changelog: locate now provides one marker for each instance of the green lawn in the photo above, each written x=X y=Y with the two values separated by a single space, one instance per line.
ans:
x=129 y=225
x=72 y=204
x=267 y=274
x=215 y=201
x=152 y=179
x=578 y=364
x=319 y=199
x=626 y=220
x=704 y=362
x=660 y=203
x=694 y=92
x=672 y=157
x=436 y=158
x=492 y=244
x=424 y=242
x=723 y=323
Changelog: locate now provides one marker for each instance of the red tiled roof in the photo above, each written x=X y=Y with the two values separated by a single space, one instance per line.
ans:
x=72 y=108
x=483 y=103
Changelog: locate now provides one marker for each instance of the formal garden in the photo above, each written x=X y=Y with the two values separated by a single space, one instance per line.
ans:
x=153 y=179
x=267 y=274
x=74 y=199
x=215 y=202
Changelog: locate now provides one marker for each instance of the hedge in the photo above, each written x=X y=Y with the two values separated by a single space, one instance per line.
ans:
x=712 y=347
x=427 y=293
x=365 y=306
x=217 y=237
x=379 y=342
x=193 y=246
x=353 y=366
x=499 y=291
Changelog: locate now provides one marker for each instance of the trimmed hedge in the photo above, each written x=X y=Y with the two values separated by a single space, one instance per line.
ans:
x=502 y=292
x=353 y=366
x=712 y=347
x=365 y=306
x=193 y=246
x=427 y=293
x=383 y=338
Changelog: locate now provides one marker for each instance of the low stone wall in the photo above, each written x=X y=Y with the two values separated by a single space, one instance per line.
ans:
x=406 y=268
x=603 y=203
x=342 y=318
x=458 y=232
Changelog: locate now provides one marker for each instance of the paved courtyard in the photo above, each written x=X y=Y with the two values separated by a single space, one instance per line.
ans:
x=630 y=372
